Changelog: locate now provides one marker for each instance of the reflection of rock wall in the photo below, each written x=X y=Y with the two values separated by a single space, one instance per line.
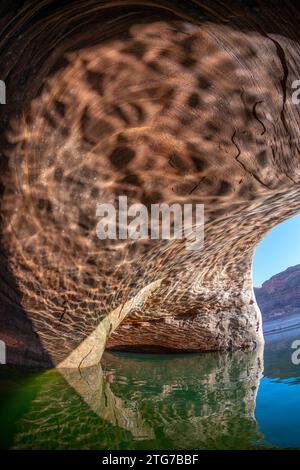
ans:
x=195 y=401
x=94 y=388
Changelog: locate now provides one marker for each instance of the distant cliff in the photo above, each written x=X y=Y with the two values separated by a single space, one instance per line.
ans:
x=279 y=297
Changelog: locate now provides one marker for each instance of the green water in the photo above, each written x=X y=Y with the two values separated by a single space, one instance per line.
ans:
x=133 y=401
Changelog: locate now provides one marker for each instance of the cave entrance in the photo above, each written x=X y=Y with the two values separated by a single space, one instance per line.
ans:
x=276 y=277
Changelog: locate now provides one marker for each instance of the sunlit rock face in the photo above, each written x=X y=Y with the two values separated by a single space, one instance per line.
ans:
x=162 y=104
x=178 y=402
x=279 y=298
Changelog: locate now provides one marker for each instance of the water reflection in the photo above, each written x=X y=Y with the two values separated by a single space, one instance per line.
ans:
x=278 y=356
x=147 y=402
x=198 y=401
x=278 y=402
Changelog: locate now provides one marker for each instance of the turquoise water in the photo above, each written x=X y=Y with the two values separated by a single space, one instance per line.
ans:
x=133 y=401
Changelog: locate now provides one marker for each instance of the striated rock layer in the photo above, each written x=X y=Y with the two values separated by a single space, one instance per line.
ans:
x=161 y=103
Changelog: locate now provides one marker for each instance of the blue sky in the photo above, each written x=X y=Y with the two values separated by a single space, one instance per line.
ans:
x=277 y=251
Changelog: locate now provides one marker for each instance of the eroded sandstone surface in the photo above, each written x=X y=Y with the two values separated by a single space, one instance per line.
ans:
x=160 y=103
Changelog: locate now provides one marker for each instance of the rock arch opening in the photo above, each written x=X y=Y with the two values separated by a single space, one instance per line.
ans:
x=276 y=271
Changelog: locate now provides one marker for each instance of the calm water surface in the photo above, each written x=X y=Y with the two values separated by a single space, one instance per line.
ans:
x=200 y=401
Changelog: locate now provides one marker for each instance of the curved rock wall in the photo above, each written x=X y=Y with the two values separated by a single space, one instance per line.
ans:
x=161 y=103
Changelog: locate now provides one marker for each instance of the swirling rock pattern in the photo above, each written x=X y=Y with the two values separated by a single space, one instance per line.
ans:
x=161 y=103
